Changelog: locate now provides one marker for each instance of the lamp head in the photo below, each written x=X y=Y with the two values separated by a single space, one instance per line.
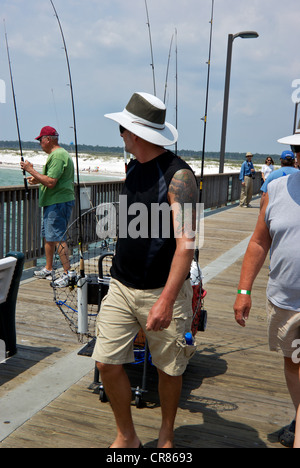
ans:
x=247 y=35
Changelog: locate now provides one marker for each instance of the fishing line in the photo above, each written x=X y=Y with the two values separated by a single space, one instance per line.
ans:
x=55 y=110
x=15 y=107
x=76 y=144
x=176 y=87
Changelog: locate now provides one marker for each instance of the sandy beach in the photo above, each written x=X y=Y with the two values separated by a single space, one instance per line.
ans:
x=97 y=164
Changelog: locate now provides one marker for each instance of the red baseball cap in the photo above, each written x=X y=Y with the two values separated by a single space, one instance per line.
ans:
x=47 y=131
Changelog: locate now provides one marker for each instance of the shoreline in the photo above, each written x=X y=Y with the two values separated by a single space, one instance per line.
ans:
x=101 y=167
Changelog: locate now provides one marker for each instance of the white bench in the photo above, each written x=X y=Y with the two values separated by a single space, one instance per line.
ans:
x=7 y=268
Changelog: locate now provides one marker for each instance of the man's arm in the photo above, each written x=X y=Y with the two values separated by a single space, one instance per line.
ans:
x=242 y=173
x=255 y=256
x=49 y=182
x=182 y=190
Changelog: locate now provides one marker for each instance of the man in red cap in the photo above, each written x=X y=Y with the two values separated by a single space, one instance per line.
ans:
x=57 y=198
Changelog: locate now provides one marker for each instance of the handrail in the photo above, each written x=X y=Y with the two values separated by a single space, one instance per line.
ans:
x=21 y=217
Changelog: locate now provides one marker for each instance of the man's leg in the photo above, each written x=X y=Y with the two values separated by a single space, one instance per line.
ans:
x=63 y=252
x=49 y=251
x=169 y=392
x=118 y=389
x=249 y=190
x=297 y=433
x=292 y=375
x=243 y=195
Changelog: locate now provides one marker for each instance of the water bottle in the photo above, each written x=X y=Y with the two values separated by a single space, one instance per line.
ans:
x=189 y=338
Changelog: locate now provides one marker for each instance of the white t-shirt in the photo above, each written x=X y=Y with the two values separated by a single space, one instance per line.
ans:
x=266 y=170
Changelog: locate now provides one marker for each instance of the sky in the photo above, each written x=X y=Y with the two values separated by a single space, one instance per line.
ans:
x=109 y=53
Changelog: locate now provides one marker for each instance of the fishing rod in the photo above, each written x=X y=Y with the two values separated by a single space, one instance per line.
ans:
x=15 y=107
x=151 y=48
x=167 y=73
x=206 y=104
x=75 y=139
x=205 y=125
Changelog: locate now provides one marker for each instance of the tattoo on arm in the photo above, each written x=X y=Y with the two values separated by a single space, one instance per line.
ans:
x=183 y=197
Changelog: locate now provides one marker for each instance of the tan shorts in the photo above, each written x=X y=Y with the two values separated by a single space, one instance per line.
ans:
x=124 y=312
x=284 y=329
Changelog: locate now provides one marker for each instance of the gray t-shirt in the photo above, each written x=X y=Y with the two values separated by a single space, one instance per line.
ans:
x=283 y=220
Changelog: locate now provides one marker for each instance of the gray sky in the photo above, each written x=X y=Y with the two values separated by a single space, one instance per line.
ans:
x=109 y=52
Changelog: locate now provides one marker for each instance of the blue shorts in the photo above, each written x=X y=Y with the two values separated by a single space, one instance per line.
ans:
x=55 y=221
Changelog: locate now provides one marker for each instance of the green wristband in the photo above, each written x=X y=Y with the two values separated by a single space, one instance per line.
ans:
x=244 y=291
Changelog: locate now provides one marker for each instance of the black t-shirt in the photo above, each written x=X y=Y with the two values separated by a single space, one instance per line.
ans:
x=146 y=243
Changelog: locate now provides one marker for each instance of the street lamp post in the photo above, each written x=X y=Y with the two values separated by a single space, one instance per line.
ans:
x=231 y=37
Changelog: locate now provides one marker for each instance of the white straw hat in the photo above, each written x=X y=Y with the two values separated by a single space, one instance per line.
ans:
x=145 y=116
x=293 y=140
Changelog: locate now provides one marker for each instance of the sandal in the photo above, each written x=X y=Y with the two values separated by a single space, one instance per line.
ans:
x=287 y=435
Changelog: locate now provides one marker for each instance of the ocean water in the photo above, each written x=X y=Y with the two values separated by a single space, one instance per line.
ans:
x=10 y=177
x=13 y=177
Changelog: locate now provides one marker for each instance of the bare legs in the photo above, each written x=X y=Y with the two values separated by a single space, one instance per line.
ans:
x=63 y=252
x=169 y=389
x=117 y=387
x=292 y=375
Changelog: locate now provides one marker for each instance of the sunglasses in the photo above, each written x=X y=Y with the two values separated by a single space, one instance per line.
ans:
x=295 y=149
x=122 y=129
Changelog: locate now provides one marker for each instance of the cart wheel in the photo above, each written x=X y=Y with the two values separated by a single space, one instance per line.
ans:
x=138 y=400
x=102 y=395
x=203 y=321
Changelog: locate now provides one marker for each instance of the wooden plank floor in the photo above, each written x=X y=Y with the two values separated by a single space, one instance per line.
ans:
x=234 y=393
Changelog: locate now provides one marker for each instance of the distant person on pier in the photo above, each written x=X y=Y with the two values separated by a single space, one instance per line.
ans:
x=267 y=168
x=150 y=286
x=57 y=198
x=247 y=175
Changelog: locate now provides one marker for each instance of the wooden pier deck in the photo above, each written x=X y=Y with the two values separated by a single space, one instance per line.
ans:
x=234 y=393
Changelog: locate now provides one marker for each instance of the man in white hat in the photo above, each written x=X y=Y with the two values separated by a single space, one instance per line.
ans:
x=150 y=286
x=246 y=177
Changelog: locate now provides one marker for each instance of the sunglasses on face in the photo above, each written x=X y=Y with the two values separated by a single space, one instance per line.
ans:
x=295 y=148
x=122 y=129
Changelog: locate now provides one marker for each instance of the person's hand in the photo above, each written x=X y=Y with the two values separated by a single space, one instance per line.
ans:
x=160 y=316
x=32 y=181
x=242 y=308
x=26 y=166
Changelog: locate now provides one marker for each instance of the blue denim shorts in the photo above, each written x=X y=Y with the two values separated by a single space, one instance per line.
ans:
x=55 y=221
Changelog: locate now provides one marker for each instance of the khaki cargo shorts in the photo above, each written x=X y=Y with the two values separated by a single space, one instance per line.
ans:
x=124 y=311
x=284 y=329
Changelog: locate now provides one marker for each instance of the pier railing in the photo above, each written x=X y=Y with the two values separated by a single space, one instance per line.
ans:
x=21 y=217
